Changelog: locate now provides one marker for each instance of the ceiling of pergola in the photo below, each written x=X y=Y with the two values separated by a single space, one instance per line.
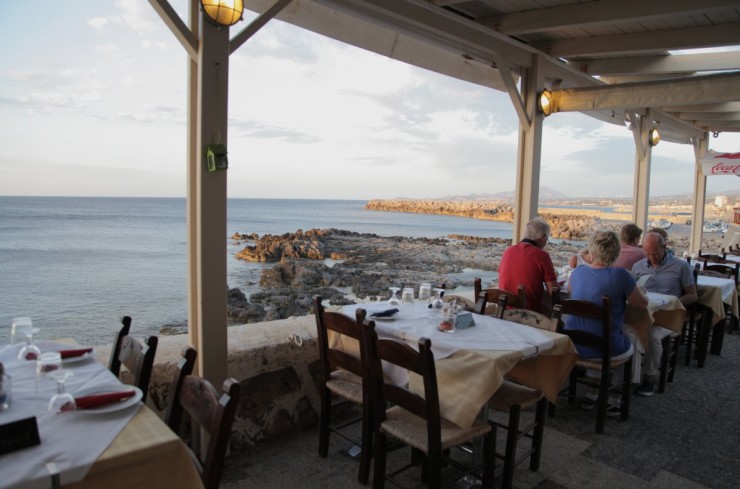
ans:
x=610 y=59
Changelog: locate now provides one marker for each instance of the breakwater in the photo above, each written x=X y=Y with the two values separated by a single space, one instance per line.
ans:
x=564 y=225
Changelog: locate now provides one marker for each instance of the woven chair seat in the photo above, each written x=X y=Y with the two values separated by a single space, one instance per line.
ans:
x=530 y=318
x=595 y=363
x=346 y=385
x=512 y=394
x=412 y=430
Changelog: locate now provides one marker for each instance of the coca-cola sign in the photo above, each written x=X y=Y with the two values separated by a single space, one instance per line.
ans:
x=714 y=163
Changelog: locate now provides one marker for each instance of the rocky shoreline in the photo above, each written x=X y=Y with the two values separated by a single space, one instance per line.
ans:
x=346 y=267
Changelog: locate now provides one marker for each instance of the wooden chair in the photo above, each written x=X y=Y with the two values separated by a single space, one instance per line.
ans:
x=522 y=300
x=343 y=375
x=605 y=364
x=138 y=358
x=530 y=318
x=414 y=419
x=512 y=398
x=696 y=328
x=492 y=296
x=114 y=364
x=208 y=412
x=668 y=360
x=173 y=413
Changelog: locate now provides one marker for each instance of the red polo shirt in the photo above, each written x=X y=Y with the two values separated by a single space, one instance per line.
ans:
x=528 y=265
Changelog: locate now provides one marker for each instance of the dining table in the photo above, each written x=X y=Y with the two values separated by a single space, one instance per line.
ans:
x=471 y=363
x=117 y=445
x=719 y=295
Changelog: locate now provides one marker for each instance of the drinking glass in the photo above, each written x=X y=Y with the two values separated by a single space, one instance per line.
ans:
x=407 y=301
x=62 y=401
x=29 y=351
x=425 y=292
x=16 y=326
x=393 y=301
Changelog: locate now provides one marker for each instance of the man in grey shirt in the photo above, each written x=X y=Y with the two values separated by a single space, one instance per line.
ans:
x=664 y=274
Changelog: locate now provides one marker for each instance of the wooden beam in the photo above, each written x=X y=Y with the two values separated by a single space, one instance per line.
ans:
x=598 y=13
x=257 y=24
x=177 y=26
x=658 y=65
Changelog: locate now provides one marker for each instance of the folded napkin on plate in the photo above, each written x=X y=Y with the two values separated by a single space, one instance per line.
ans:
x=75 y=353
x=97 y=400
x=384 y=314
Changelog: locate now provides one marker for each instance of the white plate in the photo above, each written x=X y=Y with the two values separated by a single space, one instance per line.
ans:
x=77 y=359
x=116 y=406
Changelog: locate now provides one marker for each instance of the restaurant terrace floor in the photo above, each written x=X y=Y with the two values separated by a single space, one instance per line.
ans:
x=688 y=437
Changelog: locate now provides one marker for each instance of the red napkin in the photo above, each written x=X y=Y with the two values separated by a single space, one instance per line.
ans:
x=75 y=353
x=97 y=400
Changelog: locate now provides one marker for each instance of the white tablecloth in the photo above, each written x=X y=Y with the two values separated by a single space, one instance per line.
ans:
x=489 y=333
x=72 y=440
x=726 y=285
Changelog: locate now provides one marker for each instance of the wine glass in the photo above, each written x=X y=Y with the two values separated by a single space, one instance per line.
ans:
x=425 y=292
x=437 y=302
x=393 y=301
x=16 y=327
x=47 y=363
x=62 y=401
x=29 y=351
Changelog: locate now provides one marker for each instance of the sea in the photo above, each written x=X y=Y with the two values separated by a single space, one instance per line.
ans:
x=76 y=265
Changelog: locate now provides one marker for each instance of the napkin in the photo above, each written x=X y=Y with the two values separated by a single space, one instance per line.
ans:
x=384 y=314
x=75 y=353
x=97 y=400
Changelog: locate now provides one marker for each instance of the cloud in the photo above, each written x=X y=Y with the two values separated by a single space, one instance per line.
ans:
x=107 y=48
x=154 y=114
x=97 y=22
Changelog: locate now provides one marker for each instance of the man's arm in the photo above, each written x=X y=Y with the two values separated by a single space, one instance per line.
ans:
x=689 y=295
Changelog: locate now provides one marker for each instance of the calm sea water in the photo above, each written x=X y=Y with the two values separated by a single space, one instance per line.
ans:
x=76 y=265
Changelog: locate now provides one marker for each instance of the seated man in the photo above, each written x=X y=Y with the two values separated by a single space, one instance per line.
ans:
x=667 y=275
x=528 y=264
x=629 y=252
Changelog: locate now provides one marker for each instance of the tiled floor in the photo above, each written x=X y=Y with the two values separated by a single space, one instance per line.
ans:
x=688 y=437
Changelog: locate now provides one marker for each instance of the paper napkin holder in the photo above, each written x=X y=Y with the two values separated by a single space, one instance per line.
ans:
x=464 y=320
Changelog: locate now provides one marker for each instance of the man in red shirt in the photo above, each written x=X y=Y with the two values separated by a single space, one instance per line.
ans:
x=528 y=264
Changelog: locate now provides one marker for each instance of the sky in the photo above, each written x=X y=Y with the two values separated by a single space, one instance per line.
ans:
x=93 y=103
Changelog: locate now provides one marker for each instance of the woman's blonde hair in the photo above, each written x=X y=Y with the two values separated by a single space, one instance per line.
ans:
x=604 y=245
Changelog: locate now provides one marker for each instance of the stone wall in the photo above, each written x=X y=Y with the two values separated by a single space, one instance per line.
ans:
x=278 y=378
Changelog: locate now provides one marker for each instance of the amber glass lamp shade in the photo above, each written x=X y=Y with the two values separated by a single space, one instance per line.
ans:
x=223 y=12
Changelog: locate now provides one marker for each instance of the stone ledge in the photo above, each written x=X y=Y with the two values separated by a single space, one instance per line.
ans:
x=278 y=377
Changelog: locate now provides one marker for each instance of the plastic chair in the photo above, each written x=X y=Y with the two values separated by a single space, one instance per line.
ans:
x=342 y=374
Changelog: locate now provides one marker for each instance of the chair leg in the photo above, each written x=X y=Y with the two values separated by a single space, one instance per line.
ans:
x=572 y=386
x=626 y=390
x=702 y=343
x=489 y=446
x=324 y=422
x=379 y=442
x=433 y=463
x=674 y=358
x=512 y=436
x=690 y=332
x=666 y=341
x=602 y=402
x=538 y=435
x=367 y=446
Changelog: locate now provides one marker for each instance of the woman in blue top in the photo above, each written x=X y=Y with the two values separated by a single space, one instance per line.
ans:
x=598 y=278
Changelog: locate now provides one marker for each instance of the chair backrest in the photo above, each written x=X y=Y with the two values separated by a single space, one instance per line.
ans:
x=425 y=406
x=484 y=307
x=588 y=310
x=173 y=414
x=213 y=414
x=114 y=364
x=492 y=296
x=530 y=318
x=138 y=358
x=728 y=269
x=334 y=358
